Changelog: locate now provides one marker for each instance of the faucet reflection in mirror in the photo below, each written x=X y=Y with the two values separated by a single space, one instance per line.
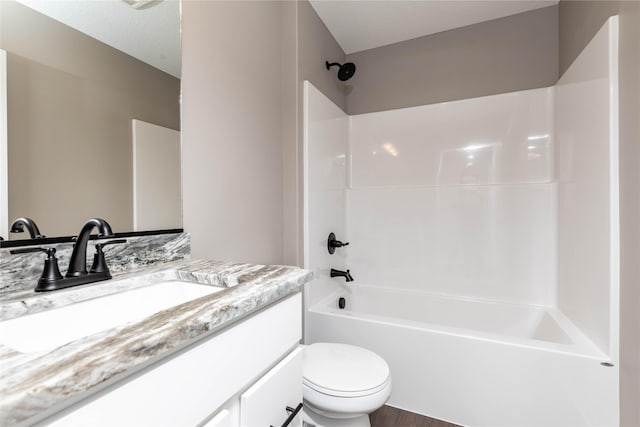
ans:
x=20 y=224
x=51 y=278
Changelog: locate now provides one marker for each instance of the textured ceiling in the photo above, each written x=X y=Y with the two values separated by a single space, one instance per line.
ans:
x=151 y=33
x=361 y=25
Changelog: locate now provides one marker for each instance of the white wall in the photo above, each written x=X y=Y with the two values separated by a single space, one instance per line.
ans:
x=587 y=170
x=232 y=103
x=325 y=151
x=456 y=198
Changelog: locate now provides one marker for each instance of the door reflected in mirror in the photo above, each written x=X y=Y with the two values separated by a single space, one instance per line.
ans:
x=71 y=104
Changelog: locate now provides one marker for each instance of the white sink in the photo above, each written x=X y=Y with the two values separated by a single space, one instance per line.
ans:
x=53 y=328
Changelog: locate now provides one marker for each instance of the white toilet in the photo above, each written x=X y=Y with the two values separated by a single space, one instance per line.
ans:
x=342 y=385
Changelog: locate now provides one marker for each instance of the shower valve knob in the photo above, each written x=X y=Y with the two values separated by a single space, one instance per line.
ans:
x=333 y=243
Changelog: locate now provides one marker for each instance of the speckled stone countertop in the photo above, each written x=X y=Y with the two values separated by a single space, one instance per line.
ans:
x=35 y=385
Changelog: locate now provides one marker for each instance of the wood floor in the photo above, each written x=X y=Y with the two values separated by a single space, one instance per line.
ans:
x=392 y=417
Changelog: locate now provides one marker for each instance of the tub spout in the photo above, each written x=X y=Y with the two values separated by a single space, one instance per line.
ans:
x=340 y=273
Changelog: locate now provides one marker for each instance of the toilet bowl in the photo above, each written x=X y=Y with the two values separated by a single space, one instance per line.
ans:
x=342 y=384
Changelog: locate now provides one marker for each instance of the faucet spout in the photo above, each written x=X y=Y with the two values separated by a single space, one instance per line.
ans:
x=20 y=224
x=340 y=273
x=78 y=261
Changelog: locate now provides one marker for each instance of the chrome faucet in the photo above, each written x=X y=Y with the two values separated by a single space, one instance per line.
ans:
x=340 y=273
x=20 y=224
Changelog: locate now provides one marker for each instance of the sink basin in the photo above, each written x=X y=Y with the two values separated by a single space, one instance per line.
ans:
x=53 y=328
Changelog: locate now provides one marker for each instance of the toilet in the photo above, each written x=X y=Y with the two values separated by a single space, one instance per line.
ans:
x=342 y=385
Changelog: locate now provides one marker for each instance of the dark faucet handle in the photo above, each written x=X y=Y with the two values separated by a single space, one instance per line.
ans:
x=349 y=277
x=99 y=262
x=51 y=272
x=333 y=243
x=99 y=246
x=48 y=251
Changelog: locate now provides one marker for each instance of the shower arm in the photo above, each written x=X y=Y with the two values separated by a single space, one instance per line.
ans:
x=329 y=65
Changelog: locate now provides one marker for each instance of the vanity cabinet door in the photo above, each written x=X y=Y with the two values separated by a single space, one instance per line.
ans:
x=265 y=403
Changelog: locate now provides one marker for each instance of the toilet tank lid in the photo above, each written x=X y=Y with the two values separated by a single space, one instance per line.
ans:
x=343 y=368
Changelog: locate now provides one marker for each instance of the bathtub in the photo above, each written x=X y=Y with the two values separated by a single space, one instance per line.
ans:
x=475 y=362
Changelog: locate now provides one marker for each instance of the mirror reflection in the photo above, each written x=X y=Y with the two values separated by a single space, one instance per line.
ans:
x=93 y=114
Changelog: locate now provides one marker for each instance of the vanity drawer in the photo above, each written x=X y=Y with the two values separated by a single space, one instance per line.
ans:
x=266 y=402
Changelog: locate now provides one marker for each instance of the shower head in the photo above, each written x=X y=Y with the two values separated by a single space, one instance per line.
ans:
x=345 y=71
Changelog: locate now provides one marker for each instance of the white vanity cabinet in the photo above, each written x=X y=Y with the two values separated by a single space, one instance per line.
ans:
x=273 y=399
x=245 y=375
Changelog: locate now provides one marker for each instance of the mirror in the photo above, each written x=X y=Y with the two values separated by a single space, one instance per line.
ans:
x=92 y=120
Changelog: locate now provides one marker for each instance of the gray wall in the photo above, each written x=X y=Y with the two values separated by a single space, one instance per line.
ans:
x=242 y=124
x=70 y=103
x=315 y=46
x=508 y=54
x=232 y=115
x=579 y=22
x=307 y=44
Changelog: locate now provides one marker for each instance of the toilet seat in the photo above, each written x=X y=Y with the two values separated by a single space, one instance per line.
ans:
x=344 y=370
x=350 y=394
x=344 y=381
x=341 y=407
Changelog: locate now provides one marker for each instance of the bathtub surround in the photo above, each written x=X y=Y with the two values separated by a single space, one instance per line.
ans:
x=456 y=198
x=587 y=174
x=326 y=132
x=37 y=385
x=21 y=272
x=486 y=229
x=579 y=22
x=471 y=213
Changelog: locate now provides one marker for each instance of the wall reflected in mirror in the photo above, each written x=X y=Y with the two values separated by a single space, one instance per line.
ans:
x=71 y=104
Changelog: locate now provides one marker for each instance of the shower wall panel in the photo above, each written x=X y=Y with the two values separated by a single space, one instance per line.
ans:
x=495 y=139
x=587 y=171
x=490 y=241
x=456 y=198
x=325 y=152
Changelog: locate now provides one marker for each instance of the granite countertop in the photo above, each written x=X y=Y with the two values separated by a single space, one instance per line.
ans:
x=35 y=385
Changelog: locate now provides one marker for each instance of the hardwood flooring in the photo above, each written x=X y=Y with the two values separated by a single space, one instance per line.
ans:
x=393 y=417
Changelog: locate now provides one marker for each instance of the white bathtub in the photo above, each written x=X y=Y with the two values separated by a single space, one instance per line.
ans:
x=475 y=362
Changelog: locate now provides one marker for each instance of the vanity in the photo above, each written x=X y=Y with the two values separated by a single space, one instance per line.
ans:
x=187 y=343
